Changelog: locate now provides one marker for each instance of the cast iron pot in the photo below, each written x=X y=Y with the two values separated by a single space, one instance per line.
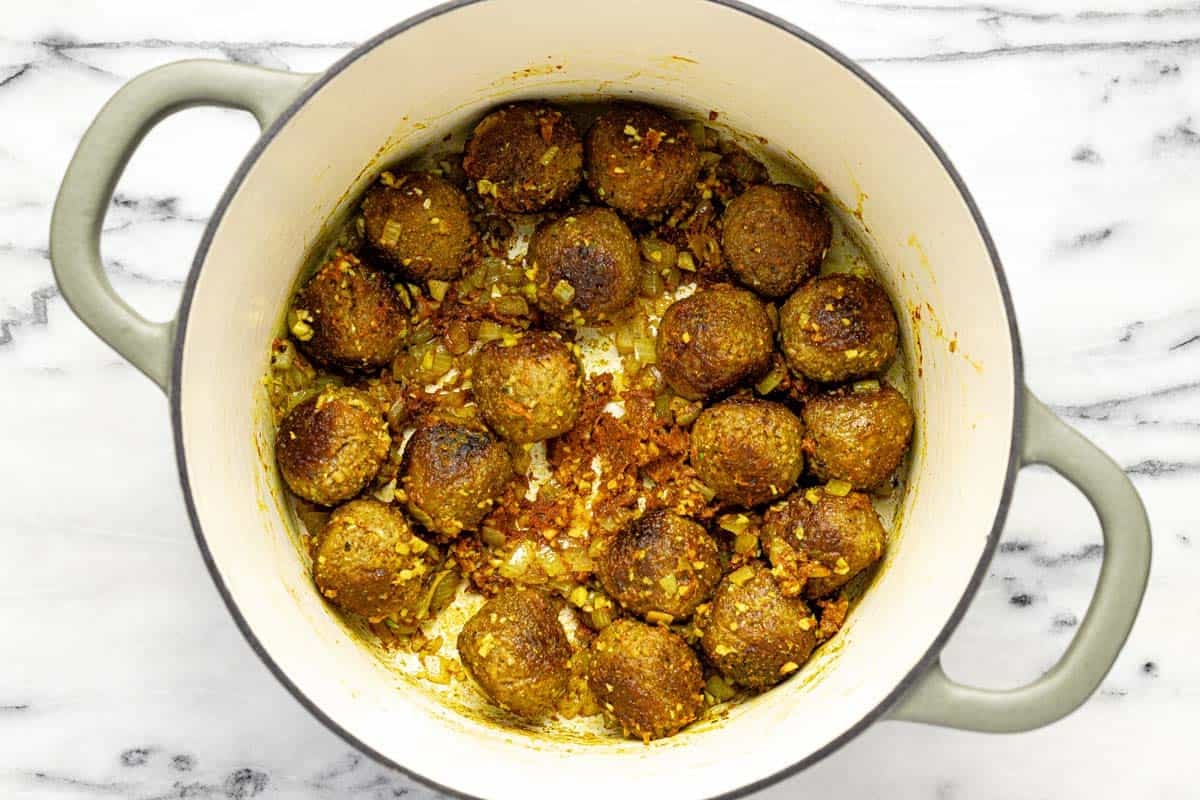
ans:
x=977 y=424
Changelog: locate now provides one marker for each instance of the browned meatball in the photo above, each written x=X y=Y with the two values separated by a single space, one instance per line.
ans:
x=526 y=156
x=838 y=327
x=752 y=633
x=421 y=223
x=747 y=450
x=645 y=678
x=858 y=434
x=714 y=340
x=349 y=316
x=662 y=564
x=530 y=390
x=330 y=446
x=817 y=541
x=640 y=161
x=775 y=237
x=452 y=475
x=369 y=562
x=585 y=264
x=516 y=650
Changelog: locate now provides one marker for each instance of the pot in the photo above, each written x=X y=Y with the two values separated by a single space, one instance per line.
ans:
x=324 y=138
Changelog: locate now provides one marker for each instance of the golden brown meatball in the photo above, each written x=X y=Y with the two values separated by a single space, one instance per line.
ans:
x=421 y=223
x=349 y=316
x=838 y=327
x=753 y=634
x=529 y=390
x=747 y=450
x=516 y=650
x=858 y=434
x=775 y=237
x=331 y=446
x=646 y=679
x=662 y=564
x=640 y=161
x=585 y=264
x=368 y=561
x=525 y=156
x=714 y=340
x=817 y=541
x=452 y=475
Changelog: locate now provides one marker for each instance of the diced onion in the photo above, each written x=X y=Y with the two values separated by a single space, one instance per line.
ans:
x=563 y=292
x=838 y=487
x=865 y=387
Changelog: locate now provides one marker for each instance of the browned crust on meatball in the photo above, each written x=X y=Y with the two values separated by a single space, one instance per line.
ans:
x=662 y=564
x=420 y=223
x=525 y=157
x=349 y=316
x=817 y=541
x=838 y=327
x=593 y=253
x=857 y=436
x=529 y=390
x=517 y=652
x=646 y=679
x=330 y=446
x=775 y=237
x=369 y=562
x=452 y=475
x=747 y=450
x=640 y=161
x=714 y=340
x=753 y=634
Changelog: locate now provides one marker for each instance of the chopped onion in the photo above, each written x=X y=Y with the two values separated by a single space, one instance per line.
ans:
x=391 y=233
x=865 y=387
x=563 y=292
x=513 y=305
x=719 y=688
x=492 y=536
x=745 y=544
x=770 y=382
x=519 y=562
x=838 y=487
x=438 y=289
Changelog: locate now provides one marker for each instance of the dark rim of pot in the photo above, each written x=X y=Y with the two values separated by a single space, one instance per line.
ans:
x=913 y=674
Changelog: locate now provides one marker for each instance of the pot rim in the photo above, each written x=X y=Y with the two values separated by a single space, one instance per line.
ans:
x=914 y=673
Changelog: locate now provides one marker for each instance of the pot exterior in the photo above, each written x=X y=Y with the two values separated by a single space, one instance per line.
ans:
x=400 y=92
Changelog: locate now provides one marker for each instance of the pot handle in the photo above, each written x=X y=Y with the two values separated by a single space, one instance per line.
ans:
x=937 y=700
x=98 y=162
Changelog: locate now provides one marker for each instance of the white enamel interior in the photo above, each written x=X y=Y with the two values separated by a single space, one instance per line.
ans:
x=681 y=53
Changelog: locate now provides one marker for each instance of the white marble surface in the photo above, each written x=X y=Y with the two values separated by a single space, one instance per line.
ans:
x=1075 y=122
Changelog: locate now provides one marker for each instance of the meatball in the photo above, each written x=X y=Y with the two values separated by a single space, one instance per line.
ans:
x=349 y=315
x=369 y=562
x=331 y=446
x=775 y=237
x=662 y=564
x=817 y=541
x=646 y=678
x=585 y=265
x=754 y=634
x=516 y=650
x=858 y=434
x=838 y=327
x=526 y=156
x=530 y=390
x=747 y=450
x=452 y=474
x=714 y=340
x=640 y=161
x=421 y=223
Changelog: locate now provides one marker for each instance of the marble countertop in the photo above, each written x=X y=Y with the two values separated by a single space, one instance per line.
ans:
x=1075 y=122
